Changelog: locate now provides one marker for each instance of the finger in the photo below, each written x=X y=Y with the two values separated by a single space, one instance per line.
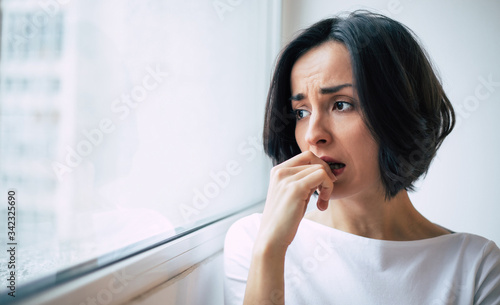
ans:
x=321 y=203
x=324 y=192
x=281 y=173
x=305 y=170
x=306 y=158
x=296 y=172
x=316 y=160
x=314 y=179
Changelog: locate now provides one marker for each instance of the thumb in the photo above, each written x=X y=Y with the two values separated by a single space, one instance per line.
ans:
x=322 y=204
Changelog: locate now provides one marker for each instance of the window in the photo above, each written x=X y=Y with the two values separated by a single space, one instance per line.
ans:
x=123 y=124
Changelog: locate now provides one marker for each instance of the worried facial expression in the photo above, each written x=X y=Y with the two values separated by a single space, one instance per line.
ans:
x=330 y=120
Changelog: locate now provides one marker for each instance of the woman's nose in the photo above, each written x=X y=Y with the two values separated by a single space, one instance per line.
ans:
x=318 y=130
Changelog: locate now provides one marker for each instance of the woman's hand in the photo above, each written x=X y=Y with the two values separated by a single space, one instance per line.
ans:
x=290 y=187
x=292 y=184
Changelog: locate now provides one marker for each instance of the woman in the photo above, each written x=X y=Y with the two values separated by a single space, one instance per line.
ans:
x=355 y=113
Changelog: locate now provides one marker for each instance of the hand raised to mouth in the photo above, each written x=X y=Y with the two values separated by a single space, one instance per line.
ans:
x=291 y=185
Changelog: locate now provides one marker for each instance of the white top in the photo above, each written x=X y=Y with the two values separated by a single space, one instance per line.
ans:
x=324 y=265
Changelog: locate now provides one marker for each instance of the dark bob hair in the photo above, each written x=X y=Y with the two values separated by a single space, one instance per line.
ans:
x=402 y=99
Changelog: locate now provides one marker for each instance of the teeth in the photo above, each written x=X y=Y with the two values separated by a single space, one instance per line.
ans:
x=336 y=165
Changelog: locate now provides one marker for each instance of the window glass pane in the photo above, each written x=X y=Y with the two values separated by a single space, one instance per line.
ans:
x=125 y=122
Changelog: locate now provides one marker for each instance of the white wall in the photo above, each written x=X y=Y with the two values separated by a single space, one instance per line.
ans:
x=461 y=190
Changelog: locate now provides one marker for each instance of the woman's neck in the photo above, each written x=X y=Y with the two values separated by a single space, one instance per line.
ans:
x=374 y=217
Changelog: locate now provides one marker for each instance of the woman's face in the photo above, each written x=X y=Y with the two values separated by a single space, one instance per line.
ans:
x=330 y=121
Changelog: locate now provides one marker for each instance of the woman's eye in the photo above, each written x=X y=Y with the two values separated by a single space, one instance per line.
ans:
x=342 y=106
x=300 y=114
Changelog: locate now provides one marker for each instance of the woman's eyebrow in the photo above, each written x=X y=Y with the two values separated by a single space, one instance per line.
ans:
x=334 y=89
x=297 y=97
x=327 y=90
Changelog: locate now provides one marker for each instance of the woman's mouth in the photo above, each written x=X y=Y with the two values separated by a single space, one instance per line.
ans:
x=335 y=165
x=337 y=168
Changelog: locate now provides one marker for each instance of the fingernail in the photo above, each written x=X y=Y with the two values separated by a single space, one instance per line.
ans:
x=322 y=205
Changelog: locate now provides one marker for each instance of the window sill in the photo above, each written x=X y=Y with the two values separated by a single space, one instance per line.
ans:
x=130 y=278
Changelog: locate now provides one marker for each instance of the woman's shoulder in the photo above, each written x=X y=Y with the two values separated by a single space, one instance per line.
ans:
x=483 y=258
x=478 y=248
x=473 y=242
